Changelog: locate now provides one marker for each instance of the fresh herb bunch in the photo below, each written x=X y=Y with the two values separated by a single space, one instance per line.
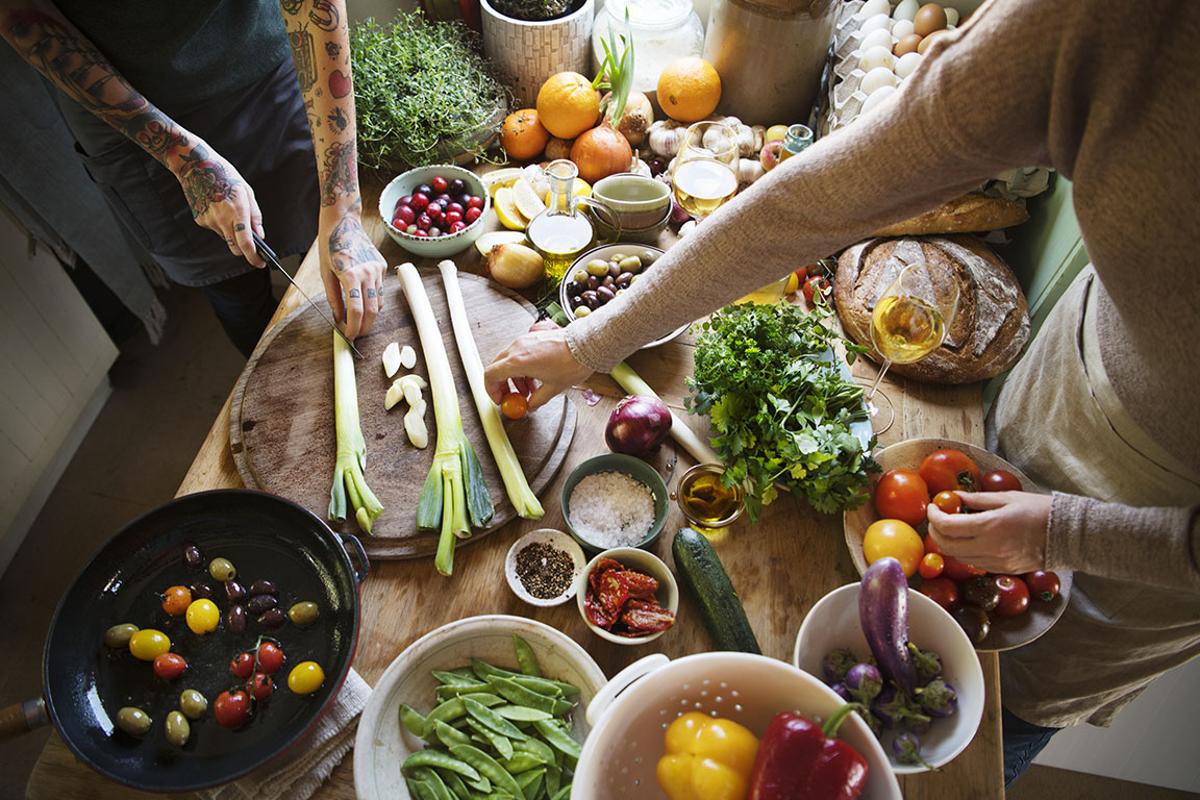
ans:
x=768 y=378
x=422 y=92
x=533 y=10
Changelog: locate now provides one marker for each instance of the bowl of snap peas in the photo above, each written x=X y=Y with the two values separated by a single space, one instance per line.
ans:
x=492 y=704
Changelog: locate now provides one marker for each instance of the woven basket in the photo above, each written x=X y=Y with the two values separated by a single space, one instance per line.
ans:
x=526 y=53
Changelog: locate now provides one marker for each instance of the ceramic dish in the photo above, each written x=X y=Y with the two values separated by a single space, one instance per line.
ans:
x=559 y=540
x=1005 y=634
x=639 y=202
x=641 y=561
x=633 y=467
x=441 y=246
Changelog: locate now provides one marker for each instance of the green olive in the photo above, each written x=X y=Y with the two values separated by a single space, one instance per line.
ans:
x=118 y=636
x=597 y=267
x=178 y=729
x=222 y=569
x=630 y=264
x=192 y=703
x=304 y=613
x=649 y=257
x=634 y=279
x=580 y=276
x=134 y=721
x=582 y=311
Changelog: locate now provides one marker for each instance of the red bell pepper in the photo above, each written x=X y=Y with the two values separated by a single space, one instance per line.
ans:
x=801 y=760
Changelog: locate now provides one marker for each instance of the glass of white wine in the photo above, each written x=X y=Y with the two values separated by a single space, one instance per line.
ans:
x=705 y=173
x=905 y=328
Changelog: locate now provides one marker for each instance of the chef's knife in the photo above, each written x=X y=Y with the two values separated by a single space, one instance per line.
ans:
x=269 y=255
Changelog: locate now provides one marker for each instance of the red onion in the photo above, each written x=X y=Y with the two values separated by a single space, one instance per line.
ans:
x=638 y=425
x=678 y=215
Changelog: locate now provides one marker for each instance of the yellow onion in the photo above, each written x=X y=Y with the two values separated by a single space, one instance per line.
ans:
x=515 y=265
x=601 y=152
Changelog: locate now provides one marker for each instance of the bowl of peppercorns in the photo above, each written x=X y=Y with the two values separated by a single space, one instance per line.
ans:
x=542 y=567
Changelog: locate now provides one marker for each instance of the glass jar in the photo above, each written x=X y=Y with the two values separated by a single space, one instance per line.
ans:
x=662 y=31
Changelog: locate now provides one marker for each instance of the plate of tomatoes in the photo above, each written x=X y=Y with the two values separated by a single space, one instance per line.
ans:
x=998 y=612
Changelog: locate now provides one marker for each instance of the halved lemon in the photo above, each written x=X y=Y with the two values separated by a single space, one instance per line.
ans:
x=498 y=179
x=526 y=199
x=487 y=241
x=507 y=211
x=579 y=188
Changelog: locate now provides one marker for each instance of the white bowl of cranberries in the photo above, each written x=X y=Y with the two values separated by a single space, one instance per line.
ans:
x=434 y=212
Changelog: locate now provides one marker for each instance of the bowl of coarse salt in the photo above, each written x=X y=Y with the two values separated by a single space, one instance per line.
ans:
x=614 y=500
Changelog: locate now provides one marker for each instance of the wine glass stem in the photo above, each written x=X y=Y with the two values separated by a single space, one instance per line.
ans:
x=887 y=362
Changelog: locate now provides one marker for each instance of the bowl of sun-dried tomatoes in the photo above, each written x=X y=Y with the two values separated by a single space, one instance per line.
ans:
x=627 y=596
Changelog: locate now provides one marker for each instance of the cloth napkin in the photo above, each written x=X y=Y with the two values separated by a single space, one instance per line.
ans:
x=297 y=773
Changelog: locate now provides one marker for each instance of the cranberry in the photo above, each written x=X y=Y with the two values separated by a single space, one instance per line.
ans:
x=424 y=189
x=439 y=184
x=455 y=227
x=424 y=222
x=434 y=232
x=419 y=202
x=475 y=202
x=457 y=187
x=434 y=213
x=421 y=234
x=452 y=217
x=455 y=207
x=462 y=199
x=411 y=229
x=405 y=213
x=473 y=213
x=404 y=201
x=444 y=199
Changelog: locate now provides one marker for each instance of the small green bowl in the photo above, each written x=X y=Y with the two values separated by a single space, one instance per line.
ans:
x=633 y=467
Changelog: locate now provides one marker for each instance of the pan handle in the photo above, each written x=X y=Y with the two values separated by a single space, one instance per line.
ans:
x=22 y=717
x=360 y=574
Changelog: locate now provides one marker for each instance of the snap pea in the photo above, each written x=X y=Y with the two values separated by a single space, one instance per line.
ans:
x=488 y=767
x=553 y=779
x=539 y=685
x=521 y=713
x=562 y=794
x=418 y=789
x=448 y=735
x=456 y=679
x=531 y=782
x=455 y=784
x=521 y=762
x=412 y=720
x=498 y=742
x=558 y=738
x=484 y=670
x=434 y=783
x=449 y=692
x=453 y=708
x=536 y=748
x=439 y=760
x=519 y=695
x=482 y=785
x=526 y=657
x=491 y=720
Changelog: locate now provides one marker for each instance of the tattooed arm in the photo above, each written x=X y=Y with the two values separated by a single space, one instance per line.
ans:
x=220 y=200
x=350 y=265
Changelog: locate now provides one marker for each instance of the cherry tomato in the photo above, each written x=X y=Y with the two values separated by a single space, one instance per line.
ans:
x=895 y=538
x=169 y=666
x=261 y=687
x=232 y=709
x=242 y=665
x=814 y=285
x=270 y=658
x=901 y=494
x=1043 y=584
x=306 y=677
x=947 y=470
x=148 y=644
x=1014 y=596
x=514 y=405
x=802 y=273
x=949 y=502
x=1000 y=480
x=932 y=565
x=942 y=591
x=931 y=546
x=958 y=572
x=203 y=616
x=176 y=599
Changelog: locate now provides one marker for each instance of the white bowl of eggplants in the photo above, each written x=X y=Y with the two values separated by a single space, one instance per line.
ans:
x=429 y=720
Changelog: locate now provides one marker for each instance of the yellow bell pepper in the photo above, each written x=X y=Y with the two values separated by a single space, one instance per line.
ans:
x=706 y=759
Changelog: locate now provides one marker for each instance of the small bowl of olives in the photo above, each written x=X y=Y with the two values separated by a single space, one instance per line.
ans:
x=602 y=274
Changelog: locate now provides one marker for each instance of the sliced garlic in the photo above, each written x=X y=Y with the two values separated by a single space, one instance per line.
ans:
x=411 y=386
x=395 y=394
x=392 y=360
x=414 y=425
x=408 y=357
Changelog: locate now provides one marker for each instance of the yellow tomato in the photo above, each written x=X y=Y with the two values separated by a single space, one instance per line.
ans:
x=891 y=537
x=148 y=644
x=203 y=616
x=306 y=677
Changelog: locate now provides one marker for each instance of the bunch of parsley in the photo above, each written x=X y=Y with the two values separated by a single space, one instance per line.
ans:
x=780 y=408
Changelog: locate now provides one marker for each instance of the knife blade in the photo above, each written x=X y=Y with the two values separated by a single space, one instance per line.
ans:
x=269 y=255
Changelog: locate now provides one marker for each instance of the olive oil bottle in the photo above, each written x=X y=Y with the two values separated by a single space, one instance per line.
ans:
x=560 y=233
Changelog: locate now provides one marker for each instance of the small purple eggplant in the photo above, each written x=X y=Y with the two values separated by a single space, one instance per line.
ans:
x=836 y=664
x=938 y=699
x=906 y=747
x=895 y=709
x=864 y=682
x=841 y=691
x=883 y=614
x=927 y=663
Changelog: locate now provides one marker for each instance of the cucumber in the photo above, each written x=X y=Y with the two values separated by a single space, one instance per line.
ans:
x=703 y=574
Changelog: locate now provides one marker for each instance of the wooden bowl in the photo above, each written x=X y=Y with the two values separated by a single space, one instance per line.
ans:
x=1005 y=634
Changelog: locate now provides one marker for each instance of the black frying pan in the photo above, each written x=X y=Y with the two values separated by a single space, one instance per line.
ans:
x=85 y=683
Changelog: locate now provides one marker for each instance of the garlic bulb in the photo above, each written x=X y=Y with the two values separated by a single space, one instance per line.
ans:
x=717 y=139
x=687 y=228
x=665 y=137
x=749 y=170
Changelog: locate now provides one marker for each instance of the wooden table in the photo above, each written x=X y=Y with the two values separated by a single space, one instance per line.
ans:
x=780 y=566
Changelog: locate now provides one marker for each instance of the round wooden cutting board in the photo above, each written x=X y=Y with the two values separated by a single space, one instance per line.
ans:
x=281 y=427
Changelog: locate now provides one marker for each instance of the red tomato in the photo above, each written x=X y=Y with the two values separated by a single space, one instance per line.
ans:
x=958 y=572
x=242 y=665
x=1000 y=480
x=1014 y=596
x=232 y=709
x=1043 y=584
x=802 y=274
x=942 y=591
x=931 y=546
x=949 y=502
x=270 y=658
x=932 y=565
x=947 y=470
x=816 y=284
x=514 y=405
x=169 y=666
x=261 y=687
x=901 y=494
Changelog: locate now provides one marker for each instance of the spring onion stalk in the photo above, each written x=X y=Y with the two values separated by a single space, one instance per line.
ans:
x=455 y=486
x=522 y=497
x=631 y=382
x=351 y=463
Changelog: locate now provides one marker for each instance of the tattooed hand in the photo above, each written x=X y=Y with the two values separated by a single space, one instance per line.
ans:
x=352 y=270
x=220 y=200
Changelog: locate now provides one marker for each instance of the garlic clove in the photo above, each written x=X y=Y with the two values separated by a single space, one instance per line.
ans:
x=408 y=357
x=391 y=359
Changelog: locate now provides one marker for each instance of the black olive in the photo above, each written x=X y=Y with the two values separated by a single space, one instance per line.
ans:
x=260 y=603
x=235 y=591
x=272 y=618
x=263 y=586
x=591 y=298
x=614 y=270
x=605 y=294
x=192 y=556
x=236 y=617
x=624 y=279
x=609 y=281
x=201 y=591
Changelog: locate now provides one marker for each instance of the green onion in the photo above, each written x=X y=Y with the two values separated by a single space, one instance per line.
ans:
x=351 y=463
x=455 y=485
x=522 y=497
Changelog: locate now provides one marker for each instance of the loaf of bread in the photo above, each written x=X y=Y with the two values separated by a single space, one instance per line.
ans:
x=991 y=321
x=972 y=213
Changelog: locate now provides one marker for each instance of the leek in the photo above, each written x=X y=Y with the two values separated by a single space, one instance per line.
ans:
x=351 y=463
x=455 y=486
x=522 y=497
x=631 y=382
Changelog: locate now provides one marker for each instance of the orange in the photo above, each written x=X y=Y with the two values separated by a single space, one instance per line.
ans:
x=689 y=89
x=567 y=105
x=891 y=537
x=522 y=135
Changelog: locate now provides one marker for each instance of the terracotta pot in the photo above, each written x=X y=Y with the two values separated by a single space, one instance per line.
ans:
x=526 y=53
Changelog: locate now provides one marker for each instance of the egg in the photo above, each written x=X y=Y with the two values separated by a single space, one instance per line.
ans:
x=906 y=10
x=876 y=38
x=951 y=17
x=907 y=64
x=873 y=7
x=880 y=76
x=875 y=23
x=928 y=41
x=908 y=44
x=877 y=57
x=902 y=28
x=930 y=17
x=877 y=97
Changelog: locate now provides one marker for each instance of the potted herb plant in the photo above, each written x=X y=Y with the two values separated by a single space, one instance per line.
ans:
x=530 y=40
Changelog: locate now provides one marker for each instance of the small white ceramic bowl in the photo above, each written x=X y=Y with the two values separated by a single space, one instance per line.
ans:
x=641 y=561
x=447 y=244
x=382 y=744
x=834 y=622
x=561 y=541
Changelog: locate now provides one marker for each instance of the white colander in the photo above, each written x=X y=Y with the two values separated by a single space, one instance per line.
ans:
x=630 y=714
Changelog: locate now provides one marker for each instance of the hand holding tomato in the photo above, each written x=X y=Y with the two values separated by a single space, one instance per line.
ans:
x=1007 y=536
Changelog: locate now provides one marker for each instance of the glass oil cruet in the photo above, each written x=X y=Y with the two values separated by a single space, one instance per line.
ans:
x=561 y=232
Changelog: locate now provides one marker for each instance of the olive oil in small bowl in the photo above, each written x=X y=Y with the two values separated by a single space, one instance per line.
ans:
x=705 y=501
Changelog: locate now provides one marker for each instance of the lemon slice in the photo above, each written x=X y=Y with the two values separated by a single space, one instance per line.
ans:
x=487 y=241
x=527 y=200
x=579 y=188
x=506 y=210
x=497 y=179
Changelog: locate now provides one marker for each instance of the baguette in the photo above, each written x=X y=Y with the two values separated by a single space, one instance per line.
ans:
x=972 y=213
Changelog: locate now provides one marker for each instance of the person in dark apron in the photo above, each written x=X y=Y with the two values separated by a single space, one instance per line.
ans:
x=198 y=122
